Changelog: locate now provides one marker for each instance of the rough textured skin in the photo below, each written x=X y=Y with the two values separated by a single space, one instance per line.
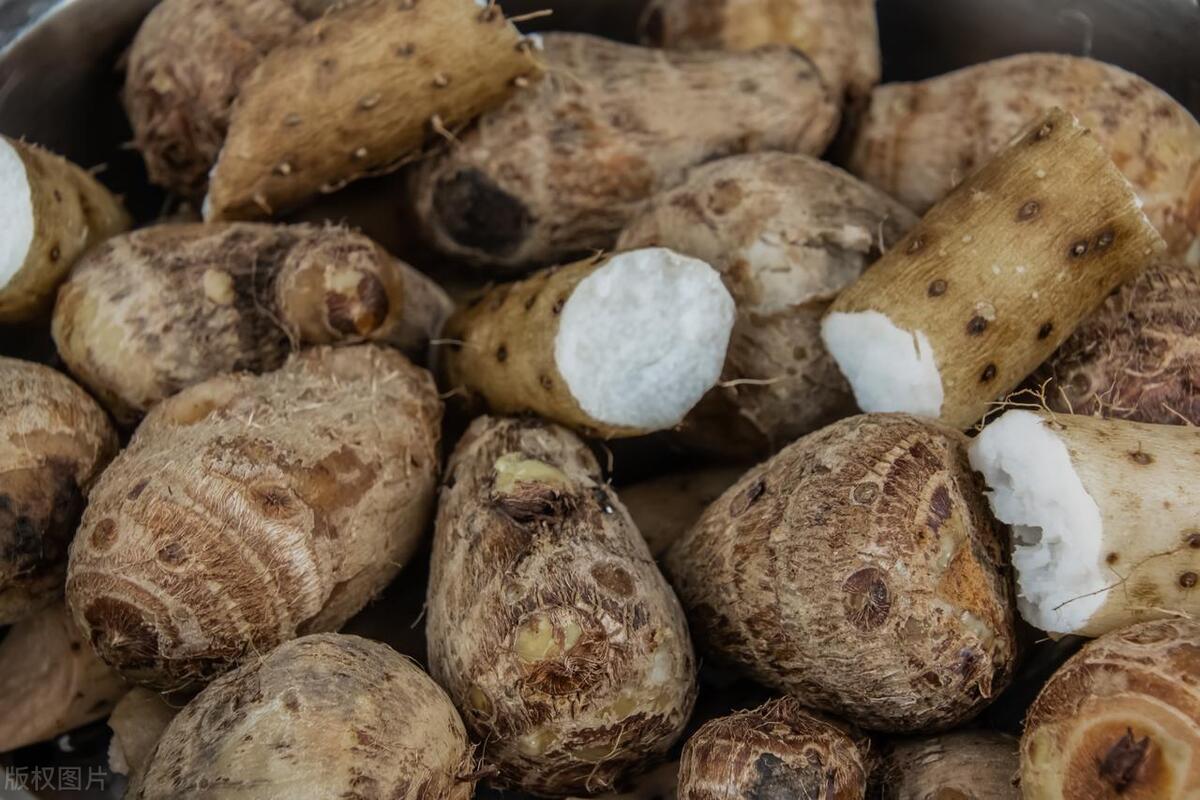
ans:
x=787 y=233
x=1001 y=271
x=185 y=68
x=558 y=170
x=966 y=765
x=1137 y=357
x=1120 y=720
x=921 y=139
x=152 y=312
x=137 y=722
x=54 y=440
x=72 y=212
x=549 y=624
x=840 y=36
x=665 y=508
x=50 y=680
x=248 y=510
x=326 y=716
x=357 y=92
x=778 y=751
x=859 y=571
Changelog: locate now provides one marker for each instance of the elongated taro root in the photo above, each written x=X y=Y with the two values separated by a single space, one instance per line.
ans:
x=549 y=624
x=920 y=139
x=248 y=510
x=185 y=68
x=993 y=279
x=1120 y=720
x=558 y=170
x=777 y=750
x=50 y=680
x=357 y=92
x=54 y=440
x=1105 y=518
x=1137 y=357
x=611 y=346
x=787 y=233
x=53 y=212
x=840 y=36
x=137 y=723
x=965 y=765
x=324 y=716
x=163 y=308
x=860 y=572
x=664 y=508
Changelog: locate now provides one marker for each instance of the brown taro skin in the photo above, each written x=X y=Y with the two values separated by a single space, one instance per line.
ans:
x=54 y=441
x=549 y=623
x=322 y=717
x=1120 y=720
x=777 y=751
x=859 y=571
x=248 y=510
x=1137 y=357
x=961 y=765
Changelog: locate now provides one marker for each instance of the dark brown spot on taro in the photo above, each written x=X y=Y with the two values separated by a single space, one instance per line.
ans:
x=1187 y=580
x=915 y=245
x=172 y=554
x=866 y=599
x=864 y=494
x=1123 y=761
x=274 y=501
x=976 y=326
x=775 y=779
x=1043 y=132
x=1141 y=458
x=546 y=383
x=1105 y=239
x=1193 y=540
x=614 y=578
x=988 y=373
x=532 y=502
x=1112 y=558
x=478 y=214
x=940 y=508
x=406 y=50
x=937 y=288
x=360 y=313
x=530 y=301
x=747 y=498
x=1029 y=211
x=55 y=253
x=1078 y=249
x=58 y=198
x=137 y=489
x=104 y=534
x=121 y=634
x=558 y=305
x=502 y=354
x=1046 y=329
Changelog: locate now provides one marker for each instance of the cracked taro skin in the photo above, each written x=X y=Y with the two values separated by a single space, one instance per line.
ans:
x=860 y=571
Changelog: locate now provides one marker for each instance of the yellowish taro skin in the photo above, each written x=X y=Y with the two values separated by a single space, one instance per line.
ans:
x=549 y=624
x=1120 y=720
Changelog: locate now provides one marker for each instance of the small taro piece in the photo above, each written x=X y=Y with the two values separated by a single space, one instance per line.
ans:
x=320 y=717
x=993 y=279
x=137 y=722
x=163 y=308
x=248 y=510
x=1120 y=720
x=358 y=92
x=612 y=346
x=963 y=765
x=1104 y=514
x=549 y=624
x=860 y=572
x=53 y=212
x=778 y=750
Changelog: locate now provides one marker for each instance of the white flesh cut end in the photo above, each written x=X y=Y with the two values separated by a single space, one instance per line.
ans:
x=642 y=338
x=888 y=368
x=1055 y=523
x=16 y=211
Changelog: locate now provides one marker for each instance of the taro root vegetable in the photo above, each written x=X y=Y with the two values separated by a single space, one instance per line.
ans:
x=248 y=510
x=558 y=170
x=920 y=139
x=993 y=279
x=964 y=765
x=1120 y=720
x=840 y=36
x=137 y=723
x=860 y=572
x=787 y=233
x=549 y=624
x=611 y=346
x=53 y=212
x=50 y=680
x=163 y=308
x=1104 y=515
x=1137 y=357
x=323 y=716
x=185 y=68
x=776 y=750
x=357 y=92
x=664 y=508
x=54 y=440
